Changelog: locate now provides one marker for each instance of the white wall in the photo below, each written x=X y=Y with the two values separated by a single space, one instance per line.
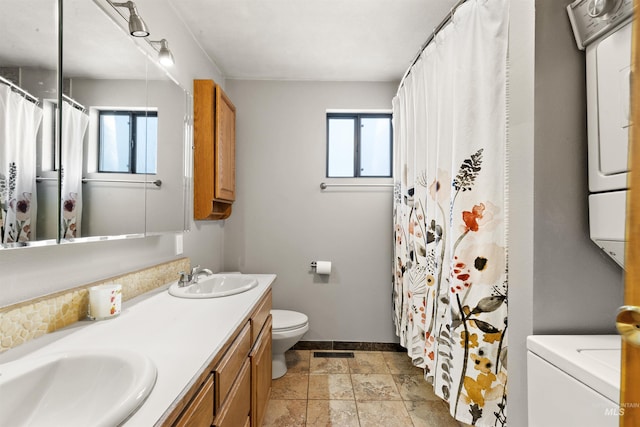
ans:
x=31 y=272
x=282 y=221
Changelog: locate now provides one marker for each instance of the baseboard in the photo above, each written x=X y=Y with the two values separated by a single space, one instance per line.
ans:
x=348 y=345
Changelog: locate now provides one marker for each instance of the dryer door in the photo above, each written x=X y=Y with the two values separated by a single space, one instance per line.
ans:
x=609 y=111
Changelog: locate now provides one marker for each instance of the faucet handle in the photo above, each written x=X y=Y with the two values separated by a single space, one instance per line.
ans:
x=195 y=269
x=184 y=277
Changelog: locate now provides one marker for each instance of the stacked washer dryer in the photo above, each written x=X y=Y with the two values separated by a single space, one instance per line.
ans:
x=575 y=380
x=603 y=29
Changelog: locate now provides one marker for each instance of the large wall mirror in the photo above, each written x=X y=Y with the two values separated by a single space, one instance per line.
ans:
x=28 y=85
x=117 y=167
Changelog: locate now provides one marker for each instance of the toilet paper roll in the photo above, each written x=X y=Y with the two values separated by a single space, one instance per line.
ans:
x=323 y=267
x=105 y=301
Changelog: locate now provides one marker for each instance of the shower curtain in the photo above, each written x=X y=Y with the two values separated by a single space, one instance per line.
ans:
x=19 y=122
x=450 y=279
x=74 y=126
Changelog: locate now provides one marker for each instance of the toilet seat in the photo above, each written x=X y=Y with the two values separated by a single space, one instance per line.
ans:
x=287 y=320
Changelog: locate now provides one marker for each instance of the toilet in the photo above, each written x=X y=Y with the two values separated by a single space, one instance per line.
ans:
x=288 y=328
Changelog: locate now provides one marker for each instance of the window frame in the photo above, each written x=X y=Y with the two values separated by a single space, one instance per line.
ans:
x=357 y=117
x=133 y=158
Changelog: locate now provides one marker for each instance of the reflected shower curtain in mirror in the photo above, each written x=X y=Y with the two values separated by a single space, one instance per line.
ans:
x=19 y=122
x=74 y=126
x=450 y=210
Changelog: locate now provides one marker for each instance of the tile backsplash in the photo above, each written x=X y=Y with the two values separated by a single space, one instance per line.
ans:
x=30 y=319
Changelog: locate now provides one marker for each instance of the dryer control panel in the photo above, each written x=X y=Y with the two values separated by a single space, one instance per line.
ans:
x=591 y=19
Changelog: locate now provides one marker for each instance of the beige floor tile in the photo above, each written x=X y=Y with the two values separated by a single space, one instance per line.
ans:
x=368 y=363
x=400 y=363
x=290 y=386
x=298 y=361
x=430 y=414
x=414 y=387
x=374 y=387
x=285 y=413
x=332 y=413
x=330 y=386
x=383 y=413
x=328 y=365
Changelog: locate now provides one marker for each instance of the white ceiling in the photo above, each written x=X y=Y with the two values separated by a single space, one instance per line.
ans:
x=338 y=40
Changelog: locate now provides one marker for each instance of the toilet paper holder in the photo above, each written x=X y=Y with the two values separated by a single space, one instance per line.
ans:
x=321 y=267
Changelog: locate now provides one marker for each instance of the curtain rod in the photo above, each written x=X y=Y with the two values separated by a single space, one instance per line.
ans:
x=435 y=31
x=19 y=89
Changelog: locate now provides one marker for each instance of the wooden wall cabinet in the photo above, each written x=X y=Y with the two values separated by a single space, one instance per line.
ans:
x=235 y=388
x=214 y=151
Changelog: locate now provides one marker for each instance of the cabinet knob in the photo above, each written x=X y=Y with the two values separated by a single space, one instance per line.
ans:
x=628 y=324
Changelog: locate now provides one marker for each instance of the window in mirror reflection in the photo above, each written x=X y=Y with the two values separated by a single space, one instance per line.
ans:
x=128 y=141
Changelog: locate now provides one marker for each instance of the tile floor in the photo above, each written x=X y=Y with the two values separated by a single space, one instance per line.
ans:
x=373 y=389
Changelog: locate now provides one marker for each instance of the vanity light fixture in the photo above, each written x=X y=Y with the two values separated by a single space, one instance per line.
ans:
x=137 y=27
x=164 y=54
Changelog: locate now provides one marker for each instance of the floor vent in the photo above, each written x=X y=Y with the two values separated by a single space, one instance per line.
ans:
x=334 y=354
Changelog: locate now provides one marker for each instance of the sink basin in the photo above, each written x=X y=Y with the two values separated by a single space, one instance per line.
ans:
x=75 y=388
x=215 y=286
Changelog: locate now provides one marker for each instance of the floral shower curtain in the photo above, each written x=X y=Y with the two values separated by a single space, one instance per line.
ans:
x=19 y=122
x=450 y=281
x=74 y=126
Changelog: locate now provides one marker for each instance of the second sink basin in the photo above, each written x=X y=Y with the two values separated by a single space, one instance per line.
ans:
x=215 y=286
x=75 y=388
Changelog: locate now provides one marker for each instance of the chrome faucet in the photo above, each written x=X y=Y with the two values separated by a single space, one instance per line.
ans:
x=187 y=279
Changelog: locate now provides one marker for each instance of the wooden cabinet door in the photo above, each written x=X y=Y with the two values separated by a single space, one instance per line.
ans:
x=225 y=147
x=629 y=390
x=237 y=407
x=261 y=375
x=199 y=412
x=214 y=151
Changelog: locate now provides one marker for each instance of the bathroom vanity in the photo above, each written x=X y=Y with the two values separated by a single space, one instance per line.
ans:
x=236 y=384
x=213 y=356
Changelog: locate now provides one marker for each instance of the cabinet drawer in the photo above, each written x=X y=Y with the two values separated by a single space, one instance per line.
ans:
x=260 y=315
x=237 y=407
x=199 y=412
x=228 y=368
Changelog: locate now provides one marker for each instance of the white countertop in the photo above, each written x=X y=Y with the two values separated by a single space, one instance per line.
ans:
x=181 y=336
x=594 y=360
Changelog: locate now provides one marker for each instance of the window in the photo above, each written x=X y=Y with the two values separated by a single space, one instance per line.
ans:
x=358 y=145
x=128 y=141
